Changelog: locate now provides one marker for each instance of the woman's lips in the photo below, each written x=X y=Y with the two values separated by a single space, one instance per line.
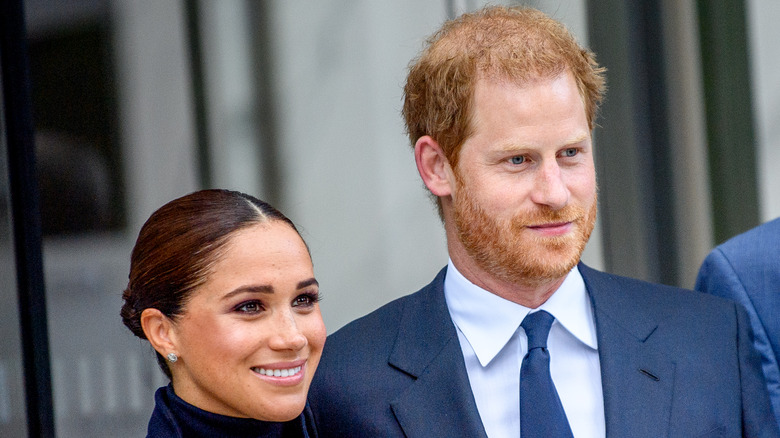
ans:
x=285 y=374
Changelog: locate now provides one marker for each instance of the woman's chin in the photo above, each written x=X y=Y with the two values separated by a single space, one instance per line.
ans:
x=281 y=410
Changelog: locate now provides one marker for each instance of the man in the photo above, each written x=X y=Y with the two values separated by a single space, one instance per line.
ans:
x=500 y=108
x=747 y=269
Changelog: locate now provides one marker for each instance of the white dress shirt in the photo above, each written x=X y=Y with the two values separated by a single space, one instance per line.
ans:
x=494 y=345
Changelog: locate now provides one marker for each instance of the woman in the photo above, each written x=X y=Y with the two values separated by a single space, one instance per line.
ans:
x=222 y=286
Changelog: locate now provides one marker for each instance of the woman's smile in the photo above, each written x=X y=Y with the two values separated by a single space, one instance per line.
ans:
x=283 y=374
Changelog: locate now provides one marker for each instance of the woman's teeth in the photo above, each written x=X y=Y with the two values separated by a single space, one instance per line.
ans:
x=278 y=372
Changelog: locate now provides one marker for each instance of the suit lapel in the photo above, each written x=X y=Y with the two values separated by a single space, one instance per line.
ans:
x=439 y=403
x=637 y=377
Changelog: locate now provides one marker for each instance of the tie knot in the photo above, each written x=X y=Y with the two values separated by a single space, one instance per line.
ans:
x=537 y=327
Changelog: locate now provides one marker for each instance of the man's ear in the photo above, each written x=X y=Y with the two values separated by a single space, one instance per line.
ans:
x=433 y=166
x=158 y=329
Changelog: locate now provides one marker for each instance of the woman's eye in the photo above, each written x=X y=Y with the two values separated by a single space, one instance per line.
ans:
x=517 y=160
x=305 y=300
x=250 y=307
x=570 y=152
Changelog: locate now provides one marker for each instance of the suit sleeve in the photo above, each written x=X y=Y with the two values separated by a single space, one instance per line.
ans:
x=757 y=417
x=718 y=277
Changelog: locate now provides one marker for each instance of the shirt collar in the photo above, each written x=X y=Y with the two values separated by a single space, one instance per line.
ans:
x=488 y=321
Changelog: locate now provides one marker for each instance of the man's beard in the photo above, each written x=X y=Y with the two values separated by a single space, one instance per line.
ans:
x=506 y=250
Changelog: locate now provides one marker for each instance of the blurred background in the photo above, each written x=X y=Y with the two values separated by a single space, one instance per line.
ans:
x=298 y=102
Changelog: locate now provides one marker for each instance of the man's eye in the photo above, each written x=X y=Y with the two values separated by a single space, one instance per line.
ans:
x=517 y=160
x=570 y=152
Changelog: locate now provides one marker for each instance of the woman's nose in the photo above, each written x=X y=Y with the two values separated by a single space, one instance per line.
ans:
x=287 y=335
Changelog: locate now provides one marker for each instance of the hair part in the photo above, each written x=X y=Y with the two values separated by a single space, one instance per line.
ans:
x=178 y=246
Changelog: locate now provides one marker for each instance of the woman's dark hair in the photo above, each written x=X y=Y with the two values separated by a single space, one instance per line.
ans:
x=178 y=245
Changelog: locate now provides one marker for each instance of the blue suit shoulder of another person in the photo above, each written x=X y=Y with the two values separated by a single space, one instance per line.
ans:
x=746 y=269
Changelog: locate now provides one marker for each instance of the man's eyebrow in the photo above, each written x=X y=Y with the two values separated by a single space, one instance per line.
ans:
x=515 y=147
x=577 y=139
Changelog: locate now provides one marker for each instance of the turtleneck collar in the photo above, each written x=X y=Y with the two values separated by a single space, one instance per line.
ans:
x=173 y=417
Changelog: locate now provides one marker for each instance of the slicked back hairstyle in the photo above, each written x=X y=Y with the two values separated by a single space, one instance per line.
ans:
x=177 y=247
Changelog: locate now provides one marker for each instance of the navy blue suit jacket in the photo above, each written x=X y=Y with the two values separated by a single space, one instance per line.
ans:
x=747 y=269
x=399 y=371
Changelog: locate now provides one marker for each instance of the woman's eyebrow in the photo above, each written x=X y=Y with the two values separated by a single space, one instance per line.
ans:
x=307 y=283
x=263 y=289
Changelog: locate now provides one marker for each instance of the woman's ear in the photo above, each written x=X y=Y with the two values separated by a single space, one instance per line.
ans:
x=158 y=329
x=433 y=166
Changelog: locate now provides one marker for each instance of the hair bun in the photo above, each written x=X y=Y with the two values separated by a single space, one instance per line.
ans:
x=131 y=317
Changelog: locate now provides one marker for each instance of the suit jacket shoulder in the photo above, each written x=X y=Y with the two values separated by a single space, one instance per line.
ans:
x=397 y=371
x=746 y=269
x=675 y=362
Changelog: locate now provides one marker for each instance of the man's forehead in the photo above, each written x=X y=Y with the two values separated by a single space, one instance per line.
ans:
x=493 y=78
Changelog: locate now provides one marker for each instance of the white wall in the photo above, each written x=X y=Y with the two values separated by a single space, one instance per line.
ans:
x=350 y=179
x=155 y=105
x=765 y=63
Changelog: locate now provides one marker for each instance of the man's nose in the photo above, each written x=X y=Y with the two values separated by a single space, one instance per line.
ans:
x=550 y=188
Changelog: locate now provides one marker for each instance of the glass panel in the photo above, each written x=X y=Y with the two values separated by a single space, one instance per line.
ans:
x=78 y=159
x=12 y=413
x=103 y=379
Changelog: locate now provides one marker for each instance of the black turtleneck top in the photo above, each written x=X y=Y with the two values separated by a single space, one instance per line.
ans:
x=173 y=417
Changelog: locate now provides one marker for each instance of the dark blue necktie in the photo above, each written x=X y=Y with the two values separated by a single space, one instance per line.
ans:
x=541 y=412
